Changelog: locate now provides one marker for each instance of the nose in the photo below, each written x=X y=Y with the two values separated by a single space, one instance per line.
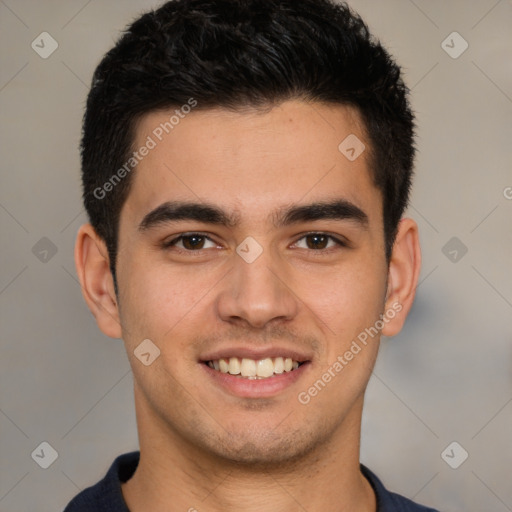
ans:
x=257 y=293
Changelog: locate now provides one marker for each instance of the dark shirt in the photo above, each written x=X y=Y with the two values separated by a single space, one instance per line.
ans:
x=106 y=495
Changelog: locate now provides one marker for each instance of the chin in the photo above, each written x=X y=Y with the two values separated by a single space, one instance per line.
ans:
x=262 y=450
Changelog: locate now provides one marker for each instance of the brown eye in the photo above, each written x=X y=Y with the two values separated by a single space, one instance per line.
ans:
x=319 y=242
x=191 y=242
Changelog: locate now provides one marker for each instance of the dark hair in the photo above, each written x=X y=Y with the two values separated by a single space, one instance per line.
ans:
x=241 y=54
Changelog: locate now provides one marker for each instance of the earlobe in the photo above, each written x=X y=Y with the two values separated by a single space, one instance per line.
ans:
x=92 y=265
x=404 y=270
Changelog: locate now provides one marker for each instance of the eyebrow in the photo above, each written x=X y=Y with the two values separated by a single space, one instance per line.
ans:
x=174 y=211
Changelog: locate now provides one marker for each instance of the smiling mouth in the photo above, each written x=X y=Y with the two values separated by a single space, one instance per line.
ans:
x=254 y=369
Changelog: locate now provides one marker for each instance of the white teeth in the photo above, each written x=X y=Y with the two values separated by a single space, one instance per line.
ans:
x=223 y=365
x=254 y=369
x=278 y=365
x=248 y=368
x=265 y=368
x=234 y=366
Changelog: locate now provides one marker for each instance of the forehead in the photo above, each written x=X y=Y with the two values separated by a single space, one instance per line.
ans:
x=253 y=161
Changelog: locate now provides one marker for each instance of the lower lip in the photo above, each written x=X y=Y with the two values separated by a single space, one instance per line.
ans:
x=255 y=388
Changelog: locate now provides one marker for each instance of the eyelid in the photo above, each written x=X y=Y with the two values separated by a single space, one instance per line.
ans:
x=174 y=240
x=338 y=240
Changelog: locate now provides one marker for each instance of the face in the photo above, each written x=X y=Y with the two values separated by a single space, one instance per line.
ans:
x=252 y=269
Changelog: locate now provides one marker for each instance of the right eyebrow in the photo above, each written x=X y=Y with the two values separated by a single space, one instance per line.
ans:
x=176 y=211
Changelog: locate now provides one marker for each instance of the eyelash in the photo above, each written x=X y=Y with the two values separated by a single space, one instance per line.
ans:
x=171 y=243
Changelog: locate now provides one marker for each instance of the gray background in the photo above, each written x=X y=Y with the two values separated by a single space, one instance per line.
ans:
x=446 y=377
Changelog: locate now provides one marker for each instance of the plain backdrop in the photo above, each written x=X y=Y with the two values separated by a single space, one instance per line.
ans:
x=446 y=378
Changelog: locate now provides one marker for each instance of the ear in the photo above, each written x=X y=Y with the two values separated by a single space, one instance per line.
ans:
x=403 y=274
x=92 y=265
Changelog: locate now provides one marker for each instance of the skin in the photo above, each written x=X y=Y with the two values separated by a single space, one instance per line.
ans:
x=202 y=447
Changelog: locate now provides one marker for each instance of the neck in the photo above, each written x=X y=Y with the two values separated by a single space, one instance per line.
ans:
x=174 y=475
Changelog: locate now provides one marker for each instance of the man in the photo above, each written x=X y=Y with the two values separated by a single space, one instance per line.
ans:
x=246 y=165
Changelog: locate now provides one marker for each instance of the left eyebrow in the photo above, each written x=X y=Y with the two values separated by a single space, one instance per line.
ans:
x=339 y=209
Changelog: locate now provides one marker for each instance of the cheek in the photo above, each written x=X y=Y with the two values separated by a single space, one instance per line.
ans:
x=348 y=306
x=346 y=299
x=159 y=300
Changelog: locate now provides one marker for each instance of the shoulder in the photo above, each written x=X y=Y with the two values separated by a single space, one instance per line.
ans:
x=389 y=501
x=106 y=495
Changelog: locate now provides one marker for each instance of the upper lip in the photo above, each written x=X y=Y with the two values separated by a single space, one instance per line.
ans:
x=255 y=353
